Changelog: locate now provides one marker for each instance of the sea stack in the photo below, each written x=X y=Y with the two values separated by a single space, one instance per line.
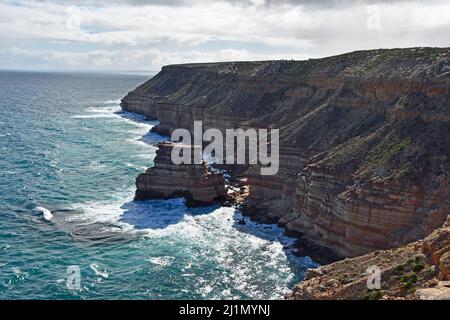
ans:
x=166 y=180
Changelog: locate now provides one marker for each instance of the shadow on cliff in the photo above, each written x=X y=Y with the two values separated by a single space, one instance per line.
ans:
x=159 y=214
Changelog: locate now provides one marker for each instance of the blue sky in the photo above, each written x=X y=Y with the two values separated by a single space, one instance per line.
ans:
x=141 y=35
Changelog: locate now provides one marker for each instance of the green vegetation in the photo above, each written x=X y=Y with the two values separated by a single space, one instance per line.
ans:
x=408 y=281
x=417 y=267
x=246 y=67
x=348 y=150
x=366 y=61
x=381 y=156
x=413 y=53
x=417 y=264
x=375 y=294
x=408 y=274
x=386 y=150
x=399 y=270
x=431 y=271
x=343 y=279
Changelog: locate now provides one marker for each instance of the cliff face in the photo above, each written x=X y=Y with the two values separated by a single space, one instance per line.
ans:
x=365 y=138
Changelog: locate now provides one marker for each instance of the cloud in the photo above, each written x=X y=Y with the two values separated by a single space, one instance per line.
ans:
x=309 y=3
x=187 y=25
x=156 y=32
x=135 y=59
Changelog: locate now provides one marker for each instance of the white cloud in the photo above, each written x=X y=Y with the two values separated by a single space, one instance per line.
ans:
x=120 y=34
x=139 y=25
x=147 y=59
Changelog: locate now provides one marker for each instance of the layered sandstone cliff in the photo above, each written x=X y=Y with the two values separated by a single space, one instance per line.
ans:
x=365 y=138
x=165 y=180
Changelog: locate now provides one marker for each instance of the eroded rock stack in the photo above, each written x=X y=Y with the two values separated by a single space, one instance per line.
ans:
x=165 y=180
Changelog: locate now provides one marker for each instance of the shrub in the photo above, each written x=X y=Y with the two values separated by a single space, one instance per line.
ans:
x=375 y=294
x=417 y=267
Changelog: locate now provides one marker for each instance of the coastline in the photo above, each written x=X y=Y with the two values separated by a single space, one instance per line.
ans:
x=300 y=246
x=346 y=191
x=254 y=226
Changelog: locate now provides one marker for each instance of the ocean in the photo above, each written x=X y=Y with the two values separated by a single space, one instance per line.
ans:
x=66 y=146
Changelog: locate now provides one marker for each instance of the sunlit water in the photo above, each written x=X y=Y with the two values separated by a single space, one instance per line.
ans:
x=65 y=147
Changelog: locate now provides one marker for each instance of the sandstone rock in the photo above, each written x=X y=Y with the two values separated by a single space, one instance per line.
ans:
x=437 y=249
x=407 y=272
x=440 y=292
x=166 y=180
x=312 y=273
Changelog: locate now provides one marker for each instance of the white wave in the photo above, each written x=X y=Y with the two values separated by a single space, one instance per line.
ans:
x=117 y=101
x=100 y=212
x=142 y=134
x=19 y=274
x=141 y=126
x=140 y=168
x=244 y=252
x=94 y=116
x=162 y=261
x=111 y=212
x=112 y=109
x=137 y=141
x=10 y=172
x=103 y=112
x=46 y=214
x=96 y=166
x=136 y=117
x=102 y=273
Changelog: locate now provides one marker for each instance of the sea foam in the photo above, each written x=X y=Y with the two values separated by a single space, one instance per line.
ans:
x=46 y=214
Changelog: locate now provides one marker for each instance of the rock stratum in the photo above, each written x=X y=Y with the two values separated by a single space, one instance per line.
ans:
x=165 y=180
x=364 y=139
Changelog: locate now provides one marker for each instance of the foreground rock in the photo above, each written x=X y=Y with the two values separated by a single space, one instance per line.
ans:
x=166 y=180
x=440 y=292
x=419 y=270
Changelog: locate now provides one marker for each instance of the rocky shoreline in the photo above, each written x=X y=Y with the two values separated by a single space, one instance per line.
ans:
x=203 y=185
x=364 y=142
x=165 y=180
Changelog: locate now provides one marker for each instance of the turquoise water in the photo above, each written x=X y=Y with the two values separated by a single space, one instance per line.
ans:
x=65 y=147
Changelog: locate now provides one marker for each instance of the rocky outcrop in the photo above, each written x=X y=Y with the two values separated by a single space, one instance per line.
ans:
x=440 y=292
x=419 y=270
x=165 y=180
x=355 y=218
x=365 y=138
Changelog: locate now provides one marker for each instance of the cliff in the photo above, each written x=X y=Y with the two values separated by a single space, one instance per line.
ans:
x=417 y=271
x=365 y=139
x=165 y=180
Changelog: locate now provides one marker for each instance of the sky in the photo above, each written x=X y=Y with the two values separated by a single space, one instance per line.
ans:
x=143 y=36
